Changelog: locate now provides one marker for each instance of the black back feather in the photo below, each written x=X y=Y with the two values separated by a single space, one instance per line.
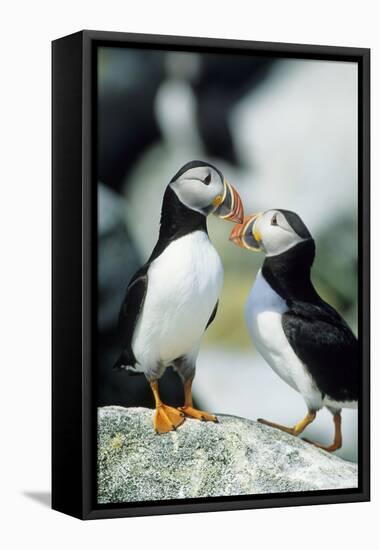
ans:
x=195 y=164
x=317 y=333
x=176 y=221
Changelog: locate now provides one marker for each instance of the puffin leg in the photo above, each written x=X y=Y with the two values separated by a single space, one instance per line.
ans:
x=297 y=429
x=166 y=418
x=188 y=408
x=337 y=443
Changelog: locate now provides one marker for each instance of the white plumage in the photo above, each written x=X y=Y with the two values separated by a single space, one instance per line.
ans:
x=263 y=312
x=184 y=284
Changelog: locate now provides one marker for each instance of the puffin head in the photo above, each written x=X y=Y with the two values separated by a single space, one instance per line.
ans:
x=273 y=232
x=201 y=187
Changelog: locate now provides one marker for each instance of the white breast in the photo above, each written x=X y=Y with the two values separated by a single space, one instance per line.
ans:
x=184 y=284
x=263 y=313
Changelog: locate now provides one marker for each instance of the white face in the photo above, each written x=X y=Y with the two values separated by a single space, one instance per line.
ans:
x=198 y=188
x=275 y=234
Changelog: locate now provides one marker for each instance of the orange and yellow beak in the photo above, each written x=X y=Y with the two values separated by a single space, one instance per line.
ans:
x=246 y=234
x=229 y=205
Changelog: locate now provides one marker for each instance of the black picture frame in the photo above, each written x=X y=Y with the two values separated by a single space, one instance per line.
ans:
x=74 y=261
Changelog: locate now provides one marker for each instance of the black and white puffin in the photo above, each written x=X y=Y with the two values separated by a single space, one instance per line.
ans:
x=173 y=298
x=304 y=340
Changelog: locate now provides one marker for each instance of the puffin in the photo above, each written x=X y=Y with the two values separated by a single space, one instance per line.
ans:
x=303 y=338
x=172 y=299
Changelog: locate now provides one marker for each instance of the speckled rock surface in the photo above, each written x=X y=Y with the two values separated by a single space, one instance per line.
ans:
x=201 y=459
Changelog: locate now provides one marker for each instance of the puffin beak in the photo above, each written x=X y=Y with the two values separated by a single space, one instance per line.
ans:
x=229 y=205
x=246 y=234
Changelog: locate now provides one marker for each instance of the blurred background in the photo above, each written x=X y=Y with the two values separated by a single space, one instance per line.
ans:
x=284 y=132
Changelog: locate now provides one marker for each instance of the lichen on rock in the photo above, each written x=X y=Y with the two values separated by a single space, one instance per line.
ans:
x=202 y=459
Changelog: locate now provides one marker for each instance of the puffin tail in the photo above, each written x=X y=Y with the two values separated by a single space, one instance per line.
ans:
x=123 y=362
x=119 y=364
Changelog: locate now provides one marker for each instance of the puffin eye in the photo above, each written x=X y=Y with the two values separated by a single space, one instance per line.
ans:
x=274 y=220
x=207 y=180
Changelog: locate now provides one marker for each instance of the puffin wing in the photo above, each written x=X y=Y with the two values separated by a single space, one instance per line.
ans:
x=327 y=347
x=129 y=313
x=211 y=318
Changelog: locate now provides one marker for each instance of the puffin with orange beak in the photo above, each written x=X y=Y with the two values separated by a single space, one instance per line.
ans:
x=173 y=297
x=303 y=339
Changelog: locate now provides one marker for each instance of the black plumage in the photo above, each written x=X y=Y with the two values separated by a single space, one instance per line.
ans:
x=177 y=220
x=212 y=317
x=317 y=333
x=129 y=313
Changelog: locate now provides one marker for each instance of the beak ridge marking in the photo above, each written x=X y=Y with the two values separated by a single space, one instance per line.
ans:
x=237 y=236
x=235 y=210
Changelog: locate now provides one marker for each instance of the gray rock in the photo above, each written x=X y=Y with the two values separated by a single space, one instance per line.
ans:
x=201 y=459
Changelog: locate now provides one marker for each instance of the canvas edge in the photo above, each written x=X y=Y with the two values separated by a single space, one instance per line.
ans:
x=86 y=508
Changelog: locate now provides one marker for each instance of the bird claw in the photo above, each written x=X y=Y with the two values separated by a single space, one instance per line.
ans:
x=167 y=419
x=198 y=415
